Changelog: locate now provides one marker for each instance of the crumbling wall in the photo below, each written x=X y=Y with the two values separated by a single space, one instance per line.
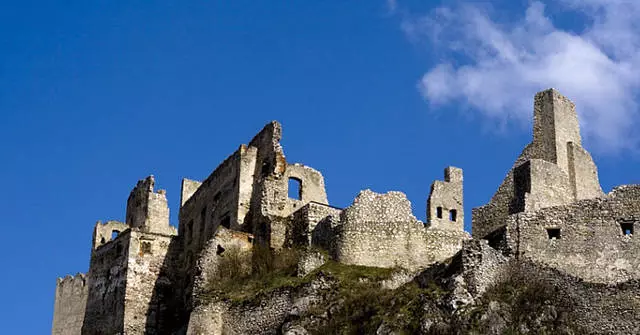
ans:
x=188 y=188
x=585 y=239
x=248 y=163
x=271 y=207
x=541 y=184
x=70 y=304
x=224 y=241
x=265 y=314
x=305 y=220
x=584 y=172
x=148 y=210
x=213 y=204
x=106 y=285
x=103 y=232
x=445 y=208
x=311 y=187
x=380 y=230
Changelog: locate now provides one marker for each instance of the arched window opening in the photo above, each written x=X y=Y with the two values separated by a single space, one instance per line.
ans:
x=295 y=188
x=114 y=234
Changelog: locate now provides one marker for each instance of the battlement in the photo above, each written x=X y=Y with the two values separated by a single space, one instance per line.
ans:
x=70 y=304
x=71 y=283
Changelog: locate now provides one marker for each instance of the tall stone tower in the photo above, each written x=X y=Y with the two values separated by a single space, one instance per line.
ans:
x=552 y=170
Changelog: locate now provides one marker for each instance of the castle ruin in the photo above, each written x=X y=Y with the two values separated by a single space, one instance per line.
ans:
x=144 y=274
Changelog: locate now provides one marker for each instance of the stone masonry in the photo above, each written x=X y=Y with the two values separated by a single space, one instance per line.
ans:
x=145 y=275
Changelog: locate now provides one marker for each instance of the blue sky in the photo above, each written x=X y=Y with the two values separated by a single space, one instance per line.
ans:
x=376 y=94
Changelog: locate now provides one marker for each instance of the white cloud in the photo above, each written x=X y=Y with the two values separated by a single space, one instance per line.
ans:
x=496 y=67
x=392 y=5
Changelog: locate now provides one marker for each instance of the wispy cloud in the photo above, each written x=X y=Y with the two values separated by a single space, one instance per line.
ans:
x=496 y=67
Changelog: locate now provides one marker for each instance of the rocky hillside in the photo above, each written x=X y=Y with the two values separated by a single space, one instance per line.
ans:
x=281 y=297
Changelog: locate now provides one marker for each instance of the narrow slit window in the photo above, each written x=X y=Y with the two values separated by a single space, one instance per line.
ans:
x=453 y=215
x=627 y=228
x=439 y=212
x=295 y=188
x=554 y=233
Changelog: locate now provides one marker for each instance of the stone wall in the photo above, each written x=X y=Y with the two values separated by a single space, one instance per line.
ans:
x=540 y=184
x=213 y=204
x=306 y=219
x=224 y=241
x=585 y=239
x=148 y=291
x=103 y=232
x=106 y=285
x=187 y=189
x=265 y=314
x=70 y=304
x=271 y=206
x=380 y=230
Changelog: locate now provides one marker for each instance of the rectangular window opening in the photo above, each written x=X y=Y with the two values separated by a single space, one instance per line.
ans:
x=554 y=233
x=453 y=215
x=295 y=188
x=439 y=212
x=627 y=228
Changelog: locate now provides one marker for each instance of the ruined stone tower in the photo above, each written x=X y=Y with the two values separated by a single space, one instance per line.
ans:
x=445 y=205
x=552 y=170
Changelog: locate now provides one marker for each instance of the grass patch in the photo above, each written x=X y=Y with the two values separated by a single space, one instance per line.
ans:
x=361 y=305
x=241 y=276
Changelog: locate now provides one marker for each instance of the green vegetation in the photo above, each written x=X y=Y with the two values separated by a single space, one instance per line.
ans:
x=361 y=305
x=241 y=276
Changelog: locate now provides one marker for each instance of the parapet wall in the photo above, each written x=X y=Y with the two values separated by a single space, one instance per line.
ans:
x=70 y=304
x=585 y=239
